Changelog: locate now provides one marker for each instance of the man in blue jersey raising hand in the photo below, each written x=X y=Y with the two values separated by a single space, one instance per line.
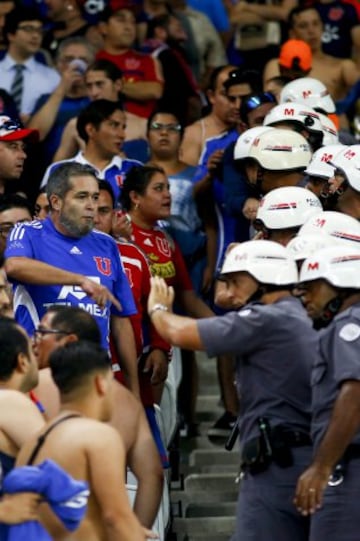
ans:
x=61 y=260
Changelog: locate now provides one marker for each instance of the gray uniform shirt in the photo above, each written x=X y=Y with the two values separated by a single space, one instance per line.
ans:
x=338 y=361
x=275 y=348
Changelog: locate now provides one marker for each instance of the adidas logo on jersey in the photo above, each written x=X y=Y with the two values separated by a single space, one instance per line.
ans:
x=75 y=250
x=148 y=242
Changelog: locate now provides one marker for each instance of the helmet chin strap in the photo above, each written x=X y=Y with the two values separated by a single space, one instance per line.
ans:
x=332 y=308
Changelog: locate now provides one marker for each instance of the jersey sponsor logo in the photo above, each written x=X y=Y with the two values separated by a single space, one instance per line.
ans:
x=163 y=246
x=75 y=250
x=335 y=13
x=132 y=64
x=103 y=265
x=313 y=266
x=119 y=179
x=164 y=270
x=306 y=94
x=350 y=332
x=76 y=291
x=78 y=501
x=91 y=308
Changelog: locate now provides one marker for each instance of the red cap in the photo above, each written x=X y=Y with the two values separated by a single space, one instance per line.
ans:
x=295 y=49
x=11 y=130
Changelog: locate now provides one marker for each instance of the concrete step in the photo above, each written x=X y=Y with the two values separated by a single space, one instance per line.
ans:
x=204 y=457
x=211 y=509
x=214 y=526
x=211 y=487
x=209 y=402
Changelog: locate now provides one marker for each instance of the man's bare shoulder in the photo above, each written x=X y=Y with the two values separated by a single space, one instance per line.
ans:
x=15 y=402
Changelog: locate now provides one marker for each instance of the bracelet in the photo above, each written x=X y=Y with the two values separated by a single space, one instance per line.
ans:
x=158 y=306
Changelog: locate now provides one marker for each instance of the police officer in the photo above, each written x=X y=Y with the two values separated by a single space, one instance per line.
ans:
x=330 y=486
x=345 y=182
x=274 y=344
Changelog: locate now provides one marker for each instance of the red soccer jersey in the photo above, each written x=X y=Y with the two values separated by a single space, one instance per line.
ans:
x=146 y=337
x=135 y=67
x=164 y=257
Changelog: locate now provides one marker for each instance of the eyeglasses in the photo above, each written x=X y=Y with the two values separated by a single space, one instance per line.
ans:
x=30 y=29
x=157 y=126
x=40 y=332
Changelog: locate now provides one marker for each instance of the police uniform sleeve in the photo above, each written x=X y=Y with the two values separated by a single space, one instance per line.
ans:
x=345 y=351
x=236 y=333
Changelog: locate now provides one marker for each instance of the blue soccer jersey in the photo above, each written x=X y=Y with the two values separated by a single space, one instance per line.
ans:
x=95 y=255
x=114 y=173
x=226 y=223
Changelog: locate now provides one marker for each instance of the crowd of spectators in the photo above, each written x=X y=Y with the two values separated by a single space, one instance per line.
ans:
x=135 y=118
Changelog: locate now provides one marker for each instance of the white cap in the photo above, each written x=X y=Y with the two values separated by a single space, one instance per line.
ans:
x=319 y=165
x=279 y=150
x=297 y=113
x=348 y=161
x=246 y=139
x=301 y=247
x=331 y=135
x=340 y=227
x=309 y=91
x=266 y=261
x=338 y=265
x=287 y=207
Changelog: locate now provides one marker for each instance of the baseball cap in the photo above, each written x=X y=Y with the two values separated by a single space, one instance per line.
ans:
x=12 y=130
x=295 y=54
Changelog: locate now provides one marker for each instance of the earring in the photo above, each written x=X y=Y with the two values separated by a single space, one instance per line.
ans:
x=70 y=7
x=136 y=206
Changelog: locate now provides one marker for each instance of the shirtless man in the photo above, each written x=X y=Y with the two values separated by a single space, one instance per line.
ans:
x=19 y=417
x=220 y=119
x=338 y=75
x=63 y=324
x=84 y=446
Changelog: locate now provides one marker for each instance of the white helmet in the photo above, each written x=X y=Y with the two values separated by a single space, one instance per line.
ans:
x=287 y=207
x=310 y=92
x=279 y=150
x=331 y=135
x=266 y=261
x=246 y=139
x=297 y=113
x=348 y=161
x=340 y=227
x=301 y=247
x=339 y=265
x=319 y=165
